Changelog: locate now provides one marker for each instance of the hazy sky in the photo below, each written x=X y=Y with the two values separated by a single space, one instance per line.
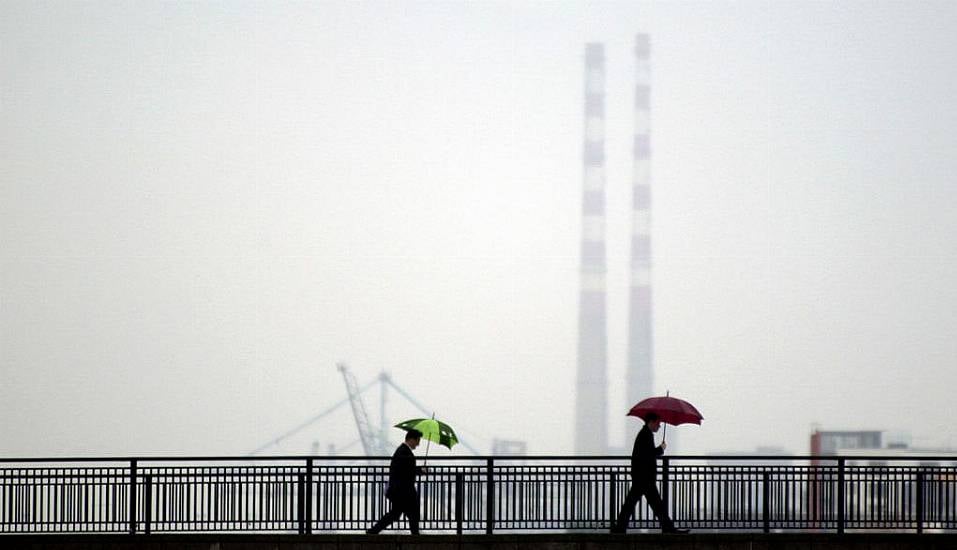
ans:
x=204 y=206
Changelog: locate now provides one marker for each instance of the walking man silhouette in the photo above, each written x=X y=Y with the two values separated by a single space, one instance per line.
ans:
x=644 y=471
x=403 y=497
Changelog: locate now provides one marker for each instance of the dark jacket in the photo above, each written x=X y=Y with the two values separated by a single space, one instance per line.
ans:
x=402 y=473
x=644 y=456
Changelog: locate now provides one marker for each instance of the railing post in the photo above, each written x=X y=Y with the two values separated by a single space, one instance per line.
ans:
x=489 y=496
x=133 y=496
x=459 y=501
x=920 y=501
x=148 y=503
x=301 y=498
x=613 y=498
x=309 y=496
x=665 y=475
x=840 y=495
x=766 y=501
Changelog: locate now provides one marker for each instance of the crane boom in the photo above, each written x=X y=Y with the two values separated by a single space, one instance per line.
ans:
x=370 y=442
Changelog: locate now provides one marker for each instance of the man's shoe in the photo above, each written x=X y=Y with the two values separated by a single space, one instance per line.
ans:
x=675 y=531
x=371 y=532
x=617 y=530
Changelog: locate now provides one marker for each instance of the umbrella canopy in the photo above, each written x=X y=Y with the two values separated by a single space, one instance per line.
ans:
x=670 y=410
x=432 y=430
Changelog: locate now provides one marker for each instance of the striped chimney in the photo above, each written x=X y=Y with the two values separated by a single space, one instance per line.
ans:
x=640 y=374
x=591 y=431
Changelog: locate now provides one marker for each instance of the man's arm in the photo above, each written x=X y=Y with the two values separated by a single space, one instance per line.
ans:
x=646 y=444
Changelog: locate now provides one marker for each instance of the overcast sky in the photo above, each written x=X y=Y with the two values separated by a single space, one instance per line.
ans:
x=204 y=206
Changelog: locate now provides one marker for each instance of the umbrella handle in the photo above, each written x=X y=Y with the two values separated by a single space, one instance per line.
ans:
x=428 y=444
x=664 y=436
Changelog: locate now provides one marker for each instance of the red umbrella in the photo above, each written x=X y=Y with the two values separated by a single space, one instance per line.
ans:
x=670 y=410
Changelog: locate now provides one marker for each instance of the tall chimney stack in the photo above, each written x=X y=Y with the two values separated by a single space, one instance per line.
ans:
x=591 y=416
x=640 y=373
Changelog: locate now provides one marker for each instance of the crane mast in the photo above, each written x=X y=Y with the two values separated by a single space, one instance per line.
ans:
x=371 y=442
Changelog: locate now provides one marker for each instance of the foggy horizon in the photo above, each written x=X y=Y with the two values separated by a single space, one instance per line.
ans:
x=204 y=207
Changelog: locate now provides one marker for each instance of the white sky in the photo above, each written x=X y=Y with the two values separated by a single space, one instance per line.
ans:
x=204 y=206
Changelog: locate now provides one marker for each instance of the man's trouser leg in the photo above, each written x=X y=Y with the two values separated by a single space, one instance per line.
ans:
x=412 y=512
x=395 y=511
x=657 y=506
x=628 y=508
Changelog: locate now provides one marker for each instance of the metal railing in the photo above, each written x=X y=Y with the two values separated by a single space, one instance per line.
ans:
x=476 y=494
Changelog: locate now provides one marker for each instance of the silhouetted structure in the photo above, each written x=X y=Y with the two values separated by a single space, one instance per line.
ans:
x=640 y=374
x=591 y=397
x=482 y=494
x=375 y=441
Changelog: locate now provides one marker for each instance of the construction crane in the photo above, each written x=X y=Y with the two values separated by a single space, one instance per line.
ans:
x=372 y=442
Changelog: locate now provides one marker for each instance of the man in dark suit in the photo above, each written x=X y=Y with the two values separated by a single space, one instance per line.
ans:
x=644 y=470
x=403 y=497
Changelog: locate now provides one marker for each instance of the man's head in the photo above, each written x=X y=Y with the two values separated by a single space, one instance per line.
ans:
x=412 y=438
x=653 y=421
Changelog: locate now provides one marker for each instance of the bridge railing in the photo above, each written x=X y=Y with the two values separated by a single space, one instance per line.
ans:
x=474 y=494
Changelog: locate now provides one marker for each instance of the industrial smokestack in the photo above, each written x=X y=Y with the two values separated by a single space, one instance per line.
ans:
x=640 y=374
x=591 y=417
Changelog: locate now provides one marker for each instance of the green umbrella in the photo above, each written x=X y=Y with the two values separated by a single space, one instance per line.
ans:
x=432 y=430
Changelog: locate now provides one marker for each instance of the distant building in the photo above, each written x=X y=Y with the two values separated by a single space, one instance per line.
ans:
x=509 y=447
x=824 y=443
x=851 y=443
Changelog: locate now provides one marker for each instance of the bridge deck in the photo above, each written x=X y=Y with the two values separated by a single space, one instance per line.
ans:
x=539 y=541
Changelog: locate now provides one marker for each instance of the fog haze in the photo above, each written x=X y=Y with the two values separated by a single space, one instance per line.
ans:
x=205 y=206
